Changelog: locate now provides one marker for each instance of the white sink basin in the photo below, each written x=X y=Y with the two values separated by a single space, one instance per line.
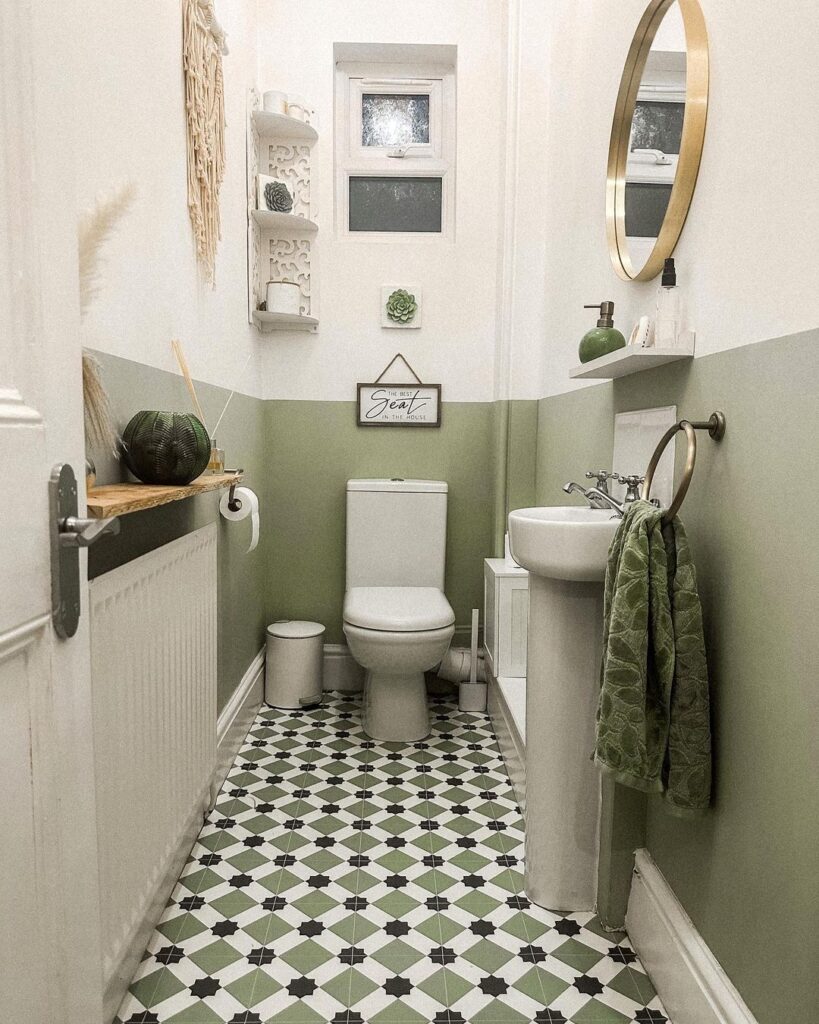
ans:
x=567 y=542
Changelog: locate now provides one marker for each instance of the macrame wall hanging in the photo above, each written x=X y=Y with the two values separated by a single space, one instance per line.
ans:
x=203 y=45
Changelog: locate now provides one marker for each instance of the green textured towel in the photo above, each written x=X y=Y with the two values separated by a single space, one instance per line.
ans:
x=653 y=726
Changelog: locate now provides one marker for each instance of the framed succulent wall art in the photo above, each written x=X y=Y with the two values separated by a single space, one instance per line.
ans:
x=400 y=306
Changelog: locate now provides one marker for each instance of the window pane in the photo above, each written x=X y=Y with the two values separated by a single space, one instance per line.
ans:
x=394 y=120
x=657 y=126
x=395 y=204
x=646 y=205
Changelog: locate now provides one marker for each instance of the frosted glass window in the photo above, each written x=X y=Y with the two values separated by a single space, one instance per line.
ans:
x=395 y=204
x=646 y=206
x=394 y=119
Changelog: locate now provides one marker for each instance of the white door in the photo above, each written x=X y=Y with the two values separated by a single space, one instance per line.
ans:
x=49 y=932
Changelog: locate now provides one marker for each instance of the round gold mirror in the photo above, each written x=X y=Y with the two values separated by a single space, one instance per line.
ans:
x=657 y=137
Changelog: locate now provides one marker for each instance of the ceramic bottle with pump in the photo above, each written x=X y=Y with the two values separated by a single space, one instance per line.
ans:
x=668 y=319
x=603 y=338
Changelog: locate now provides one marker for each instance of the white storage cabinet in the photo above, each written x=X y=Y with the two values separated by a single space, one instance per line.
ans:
x=506 y=617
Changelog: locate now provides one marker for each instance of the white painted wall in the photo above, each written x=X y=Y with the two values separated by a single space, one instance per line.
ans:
x=132 y=125
x=503 y=305
x=456 y=344
x=746 y=259
x=525 y=244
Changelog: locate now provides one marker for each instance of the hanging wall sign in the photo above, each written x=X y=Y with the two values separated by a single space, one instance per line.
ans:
x=399 y=405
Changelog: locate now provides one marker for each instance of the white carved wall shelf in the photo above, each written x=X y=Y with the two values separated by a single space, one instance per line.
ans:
x=280 y=245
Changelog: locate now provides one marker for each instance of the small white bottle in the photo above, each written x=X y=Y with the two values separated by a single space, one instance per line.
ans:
x=668 y=321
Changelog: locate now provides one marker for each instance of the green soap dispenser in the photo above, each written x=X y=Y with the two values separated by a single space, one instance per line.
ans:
x=603 y=338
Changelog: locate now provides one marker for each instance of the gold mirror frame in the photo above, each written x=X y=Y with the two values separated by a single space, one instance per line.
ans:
x=693 y=136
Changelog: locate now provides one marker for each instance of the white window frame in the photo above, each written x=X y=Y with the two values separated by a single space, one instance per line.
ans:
x=435 y=159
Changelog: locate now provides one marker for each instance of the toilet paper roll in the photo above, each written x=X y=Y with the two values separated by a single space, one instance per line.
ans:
x=248 y=506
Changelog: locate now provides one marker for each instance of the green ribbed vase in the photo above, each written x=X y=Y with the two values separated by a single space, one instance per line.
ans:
x=165 y=447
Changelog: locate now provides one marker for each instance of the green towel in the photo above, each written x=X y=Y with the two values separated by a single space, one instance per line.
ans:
x=653 y=725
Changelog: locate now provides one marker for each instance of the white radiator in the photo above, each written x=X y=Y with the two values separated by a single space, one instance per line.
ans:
x=153 y=666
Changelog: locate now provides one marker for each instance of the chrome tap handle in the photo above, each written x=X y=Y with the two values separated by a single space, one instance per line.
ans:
x=602 y=477
x=632 y=484
x=76 y=532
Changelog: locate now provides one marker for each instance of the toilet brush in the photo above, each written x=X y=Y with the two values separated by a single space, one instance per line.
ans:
x=472 y=694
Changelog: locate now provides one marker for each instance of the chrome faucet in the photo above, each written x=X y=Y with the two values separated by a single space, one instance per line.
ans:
x=597 y=497
x=632 y=485
x=601 y=499
x=602 y=476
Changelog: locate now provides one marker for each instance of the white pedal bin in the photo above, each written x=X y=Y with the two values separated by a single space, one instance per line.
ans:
x=294 y=666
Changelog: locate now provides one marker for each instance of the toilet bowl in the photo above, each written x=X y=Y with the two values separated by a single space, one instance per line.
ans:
x=397 y=620
x=396 y=634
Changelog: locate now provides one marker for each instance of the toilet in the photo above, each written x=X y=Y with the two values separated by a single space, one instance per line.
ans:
x=397 y=620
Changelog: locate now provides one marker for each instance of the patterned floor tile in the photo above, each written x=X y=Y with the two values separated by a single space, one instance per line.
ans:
x=347 y=881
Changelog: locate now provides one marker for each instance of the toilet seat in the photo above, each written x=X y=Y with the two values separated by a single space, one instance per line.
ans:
x=398 y=609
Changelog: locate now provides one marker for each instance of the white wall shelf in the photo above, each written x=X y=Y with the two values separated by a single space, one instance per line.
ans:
x=280 y=246
x=267 y=322
x=282 y=126
x=283 y=223
x=633 y=359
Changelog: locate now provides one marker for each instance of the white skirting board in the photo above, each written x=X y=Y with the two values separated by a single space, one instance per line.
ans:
x=510 y=740
x=341 y=670
x=690 y=982
x=235 y=720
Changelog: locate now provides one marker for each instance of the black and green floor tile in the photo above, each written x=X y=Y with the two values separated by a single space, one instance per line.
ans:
x=339 y=880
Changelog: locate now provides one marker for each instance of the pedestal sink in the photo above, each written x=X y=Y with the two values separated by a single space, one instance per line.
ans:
x=565 y=550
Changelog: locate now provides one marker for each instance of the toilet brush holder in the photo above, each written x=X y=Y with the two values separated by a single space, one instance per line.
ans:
x=472 y=694
x=472 y=697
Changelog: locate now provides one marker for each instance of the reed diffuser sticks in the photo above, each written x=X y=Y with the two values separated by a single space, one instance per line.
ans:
x=183 y=366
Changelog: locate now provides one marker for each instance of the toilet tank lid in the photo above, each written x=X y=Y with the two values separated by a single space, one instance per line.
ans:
x=398 y=484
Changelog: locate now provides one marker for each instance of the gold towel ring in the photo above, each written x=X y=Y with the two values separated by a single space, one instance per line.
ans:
x=715 y=425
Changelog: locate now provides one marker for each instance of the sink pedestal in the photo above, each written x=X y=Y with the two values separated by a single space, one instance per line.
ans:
x=565 y=550
x=562 y=783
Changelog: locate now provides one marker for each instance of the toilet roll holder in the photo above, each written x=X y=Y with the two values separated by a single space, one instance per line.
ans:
x=234 y=503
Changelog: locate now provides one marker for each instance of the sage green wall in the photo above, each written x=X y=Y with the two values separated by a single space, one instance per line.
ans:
x=315 y=447
x=297 y=456
x=243 y=578
x=747 y=872
x=514 y=461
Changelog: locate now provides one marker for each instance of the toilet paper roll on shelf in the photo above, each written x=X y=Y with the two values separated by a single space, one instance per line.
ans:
x=245 y=504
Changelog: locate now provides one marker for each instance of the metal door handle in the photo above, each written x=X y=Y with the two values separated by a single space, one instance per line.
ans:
x=69 y=533
x=76 y=532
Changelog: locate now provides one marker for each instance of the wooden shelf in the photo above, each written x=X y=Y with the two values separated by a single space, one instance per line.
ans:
x=281 y=126
x=267 y=322
x=632 y=359
x=285 y=223
x=122 y=499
